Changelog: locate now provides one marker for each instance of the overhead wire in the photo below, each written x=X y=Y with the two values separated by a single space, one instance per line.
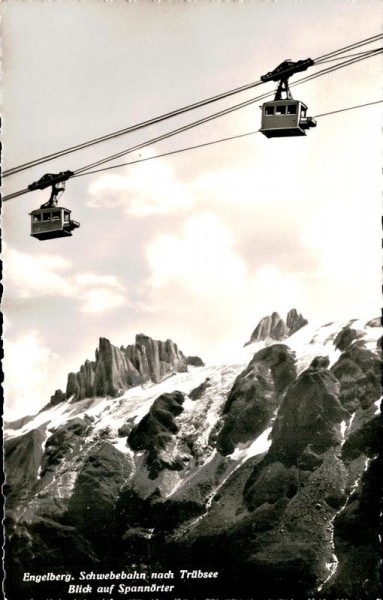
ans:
x=353 y=46
x=169 y=134
x=366 y=53
x=171 y=114
x=197 y=146
x=227 y=139
x=202 y=121
x=171 y=152
x=153 y=140
x=339 y=110
x=333 y=68
x=130 y=129
x=15 y=195
x=214 y=116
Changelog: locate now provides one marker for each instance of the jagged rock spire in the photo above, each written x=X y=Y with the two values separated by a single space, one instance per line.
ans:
x=275 y=328
x=114 y=370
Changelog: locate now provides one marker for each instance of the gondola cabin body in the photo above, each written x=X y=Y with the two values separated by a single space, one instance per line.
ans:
x=52 y=222
x=285 y=118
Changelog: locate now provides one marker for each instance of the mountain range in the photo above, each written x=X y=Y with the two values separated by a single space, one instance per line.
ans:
x=255 y=479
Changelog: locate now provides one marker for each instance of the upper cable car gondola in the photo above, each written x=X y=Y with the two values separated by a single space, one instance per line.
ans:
x=285 y=117
x=51 y=221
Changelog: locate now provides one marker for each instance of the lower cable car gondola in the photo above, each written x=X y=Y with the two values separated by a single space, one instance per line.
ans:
x=285 y=117
x=51 y=221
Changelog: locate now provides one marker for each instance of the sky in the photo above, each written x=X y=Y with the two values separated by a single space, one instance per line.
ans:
x=197 y=246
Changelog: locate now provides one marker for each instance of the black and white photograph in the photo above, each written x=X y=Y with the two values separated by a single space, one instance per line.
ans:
x=191 y=247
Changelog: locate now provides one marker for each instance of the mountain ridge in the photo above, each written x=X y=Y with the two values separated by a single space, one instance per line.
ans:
x=115 y=370
x=274 y=458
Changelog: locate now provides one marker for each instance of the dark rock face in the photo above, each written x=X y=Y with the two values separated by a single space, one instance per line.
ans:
x=194 y=361
x=274 y=327
x=59 y=516
x=377 y=322
x=163 y=358
x=75 y=532
x=176 y=480
x=24 y=453
x=62 y=442
x=359 y=372
x=154 y=432
x=199 y=391
x=346 y=337
x=92 y=503
x=308 y=417
x=275 y=483
x=47 y=545
x=355 y=541
x=57 y=397
x=295 y=321
x=255 y=396
x=117 y=369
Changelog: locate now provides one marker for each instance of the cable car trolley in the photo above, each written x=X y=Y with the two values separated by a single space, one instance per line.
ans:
x=284 y=116
x=51 y=221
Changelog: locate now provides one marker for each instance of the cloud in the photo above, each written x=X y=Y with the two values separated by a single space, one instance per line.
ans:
x=37 y=275
x=254 y=208
x=155 y=188
x=52 y=275
x=28 y=365
x=274 y=289
x=345 y=238
x=202 y=260
x=205 y=262
x=84 y=279
x=151 y=188
x=201 y=284
x=100 y=300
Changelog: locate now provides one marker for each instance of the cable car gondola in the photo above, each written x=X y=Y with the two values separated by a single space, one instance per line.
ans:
x=51 y=221
x=285 y=117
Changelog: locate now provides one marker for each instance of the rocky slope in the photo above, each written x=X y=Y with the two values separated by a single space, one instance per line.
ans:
x=266 y=472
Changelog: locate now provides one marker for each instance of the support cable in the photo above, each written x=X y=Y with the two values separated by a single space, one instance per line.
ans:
x=171 y=114
x=234 y=137
x=180 y=150
x=202 y=121
x=365 y=54
x=215 y=115
x=333 y=68
x=130 y=129
x=168 y=134
x=359 y=44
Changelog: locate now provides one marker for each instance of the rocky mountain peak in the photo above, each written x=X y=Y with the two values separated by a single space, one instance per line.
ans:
x=115 y=370
x=274 y=327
